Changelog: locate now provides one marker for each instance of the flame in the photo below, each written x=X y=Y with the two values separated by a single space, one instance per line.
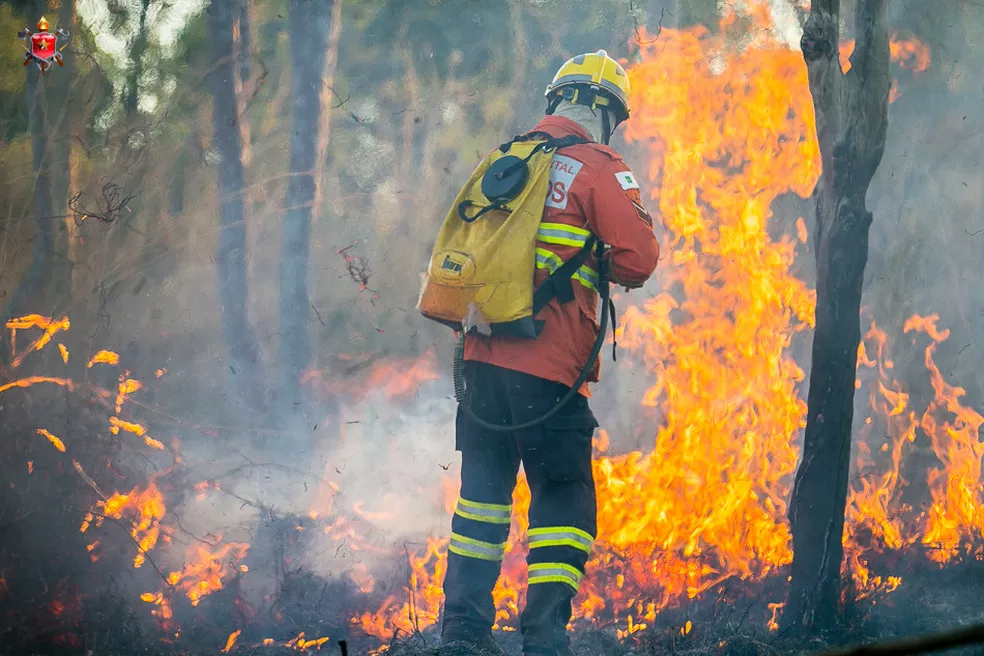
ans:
x=48 y=325
x=393 y=378
x=163 y=607
x=911 y=53
x=35 y=380
x=878 y=518
x=773 y=622
x=206 y=568
x=127 y=387
x=957 y=512
x=231 y=641
x=104 y=357
x=116 y=425
x=144 y=509
x=728 y=133
x=301 y=644
x=57 y=443
x=420 y=607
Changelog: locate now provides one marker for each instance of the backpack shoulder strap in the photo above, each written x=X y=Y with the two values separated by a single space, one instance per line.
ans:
x=559 y=285
x=549 y=143
x=556 y=143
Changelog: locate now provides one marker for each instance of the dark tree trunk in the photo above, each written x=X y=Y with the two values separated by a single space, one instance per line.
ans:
x=231 y=255
x=308 y=28
x=326 y=100
x=136 y=57
x=245 y=58
x=39 y=272
x=61 y=164
x=243 y=40
x=852 y=120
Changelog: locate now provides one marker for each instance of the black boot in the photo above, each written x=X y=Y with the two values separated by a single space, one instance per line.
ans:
x=468 y=609
x=544 y=620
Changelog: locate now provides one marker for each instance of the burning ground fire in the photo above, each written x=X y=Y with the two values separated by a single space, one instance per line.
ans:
x=727 y=132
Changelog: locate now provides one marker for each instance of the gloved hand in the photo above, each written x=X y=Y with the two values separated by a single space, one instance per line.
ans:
x=615 y=281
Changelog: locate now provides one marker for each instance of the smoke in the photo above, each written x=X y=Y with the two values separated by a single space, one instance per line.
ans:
x=386 y=463
x=386 y=466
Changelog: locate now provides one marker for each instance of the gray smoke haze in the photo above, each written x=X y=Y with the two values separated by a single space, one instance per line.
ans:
x=925 y=198
x=418 y=98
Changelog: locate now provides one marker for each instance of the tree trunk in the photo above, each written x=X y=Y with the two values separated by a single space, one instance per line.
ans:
x=39 y=272
x=231 y=255
x=243 y=44
x=852 y=120
x=326 y=101
x=63 y=226
x=308 y=25
x=136 y=60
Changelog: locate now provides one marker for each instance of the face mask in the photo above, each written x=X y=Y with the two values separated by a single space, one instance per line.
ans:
x=589 y=119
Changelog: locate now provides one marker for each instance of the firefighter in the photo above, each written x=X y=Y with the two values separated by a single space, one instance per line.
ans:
x=511 y=380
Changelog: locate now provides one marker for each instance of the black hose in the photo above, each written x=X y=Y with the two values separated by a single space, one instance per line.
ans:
x=459 y=376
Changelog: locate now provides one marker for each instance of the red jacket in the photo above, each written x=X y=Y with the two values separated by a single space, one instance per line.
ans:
x=591 y=190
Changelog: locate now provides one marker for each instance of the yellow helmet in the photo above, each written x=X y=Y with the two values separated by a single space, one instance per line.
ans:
x=592 y=79
x=43 y=24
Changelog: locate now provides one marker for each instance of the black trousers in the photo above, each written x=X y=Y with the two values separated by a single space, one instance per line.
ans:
x=556 y=457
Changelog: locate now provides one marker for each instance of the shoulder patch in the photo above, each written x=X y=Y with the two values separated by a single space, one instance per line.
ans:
x=626 y=180
x=563 y=171
x=636 y=199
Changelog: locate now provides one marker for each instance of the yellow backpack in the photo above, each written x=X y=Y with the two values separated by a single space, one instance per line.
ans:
x=480 y=275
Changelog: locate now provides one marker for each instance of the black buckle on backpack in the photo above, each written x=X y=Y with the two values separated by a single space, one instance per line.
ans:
x=560 y=285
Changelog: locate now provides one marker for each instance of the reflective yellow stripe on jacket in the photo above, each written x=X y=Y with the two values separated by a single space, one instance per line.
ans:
x=551 y=262
x=562 y=234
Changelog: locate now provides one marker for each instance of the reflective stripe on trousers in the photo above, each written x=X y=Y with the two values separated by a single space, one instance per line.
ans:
x=472 y=548
x=493 y=513
x=550 y=547
x=555 y=573
x=480 y=530
x=560 y=536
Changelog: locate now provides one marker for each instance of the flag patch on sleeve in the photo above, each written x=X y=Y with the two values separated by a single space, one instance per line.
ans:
x=626 y=180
